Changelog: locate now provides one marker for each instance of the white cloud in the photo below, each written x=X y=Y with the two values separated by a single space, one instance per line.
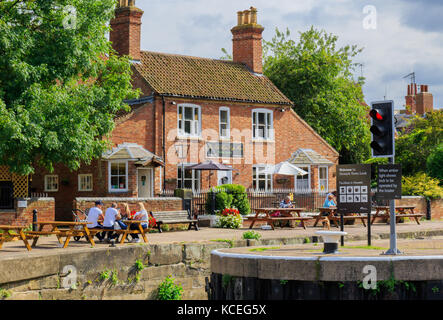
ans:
x=394 y=49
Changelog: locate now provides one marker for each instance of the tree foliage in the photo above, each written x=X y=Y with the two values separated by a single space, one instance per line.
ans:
x=414 y=147
x=61 y=84
x=434 y=164
x=317 y=76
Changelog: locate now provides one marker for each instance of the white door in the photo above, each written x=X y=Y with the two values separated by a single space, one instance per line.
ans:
x=224 y=177
x=145 y=183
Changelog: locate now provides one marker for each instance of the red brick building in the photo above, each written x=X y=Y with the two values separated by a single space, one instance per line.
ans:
x=193 y=110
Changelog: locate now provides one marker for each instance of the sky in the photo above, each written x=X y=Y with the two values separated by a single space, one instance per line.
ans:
x=398 y=37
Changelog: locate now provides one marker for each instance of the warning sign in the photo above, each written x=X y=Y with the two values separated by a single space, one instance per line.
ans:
x=389 y=182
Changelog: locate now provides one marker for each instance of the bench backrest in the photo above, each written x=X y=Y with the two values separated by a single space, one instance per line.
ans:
x=171 y=215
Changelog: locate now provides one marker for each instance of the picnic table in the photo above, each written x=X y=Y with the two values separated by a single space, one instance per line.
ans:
x=74 y=229
x=286 y=215
x=19 y=232
x=400 y=212
x=128 y=230
x=331 y=214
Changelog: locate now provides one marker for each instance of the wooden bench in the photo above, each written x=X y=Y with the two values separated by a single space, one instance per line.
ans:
x=126 y=231
x=301 y=219
x=336 y=219
x=174 y=217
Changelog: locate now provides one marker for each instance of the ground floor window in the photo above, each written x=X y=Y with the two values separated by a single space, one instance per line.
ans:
x=118 y=176
x=303 y=182
x=85 y=182
x=51 y=183
x=323 y=179
x=261 y=179
x=189 y=180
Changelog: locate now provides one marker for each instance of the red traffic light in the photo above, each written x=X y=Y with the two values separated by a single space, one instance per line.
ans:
x=376 y=114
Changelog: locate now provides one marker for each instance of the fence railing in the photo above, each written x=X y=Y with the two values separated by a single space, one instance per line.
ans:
x=311 y=200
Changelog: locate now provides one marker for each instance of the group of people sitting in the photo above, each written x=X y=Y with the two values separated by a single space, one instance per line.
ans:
x=113 y=218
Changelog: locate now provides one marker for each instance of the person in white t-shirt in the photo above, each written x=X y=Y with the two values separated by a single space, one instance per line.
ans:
x=111 y=216
x=95 y=214
x=141 y=215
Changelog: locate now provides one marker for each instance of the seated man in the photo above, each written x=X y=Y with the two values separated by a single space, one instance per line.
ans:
x=94 y=215
x=111 y=216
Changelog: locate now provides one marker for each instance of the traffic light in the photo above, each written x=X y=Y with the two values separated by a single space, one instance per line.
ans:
x=382 y=129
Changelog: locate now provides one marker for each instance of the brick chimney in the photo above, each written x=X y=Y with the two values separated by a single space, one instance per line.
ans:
x=247 y=40
x=424 y=100
x=410 y=99
x=125 y=32
x=419 y=102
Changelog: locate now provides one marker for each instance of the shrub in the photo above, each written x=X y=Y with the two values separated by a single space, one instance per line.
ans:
x=434 y=163
x=422 y=185
x=230 y=196
x=168 y=290
x=230 y=219
x=251 y=235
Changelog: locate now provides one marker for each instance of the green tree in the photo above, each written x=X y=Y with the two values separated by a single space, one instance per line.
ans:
x=414 y=147
x=434 y=164
x=317 y=77
x=61 y=84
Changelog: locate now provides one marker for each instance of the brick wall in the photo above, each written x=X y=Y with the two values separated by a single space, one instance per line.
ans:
x=420 y=205
x=23 y=216
x=151 y=204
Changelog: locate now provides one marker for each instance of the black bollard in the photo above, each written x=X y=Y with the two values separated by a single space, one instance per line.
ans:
x=34 y=220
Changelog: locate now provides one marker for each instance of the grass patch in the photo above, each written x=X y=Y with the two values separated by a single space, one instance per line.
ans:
x=365 y=247
x=263 y=249
x=228 y=241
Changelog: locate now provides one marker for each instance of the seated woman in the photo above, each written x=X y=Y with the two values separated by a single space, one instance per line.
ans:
x=329 y=202
x=141 y=215
x=286 y=203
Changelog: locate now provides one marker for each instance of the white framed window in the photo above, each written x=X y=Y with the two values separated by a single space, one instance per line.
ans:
x=323 y=179
x=261 y=179
x=191 y=178
x=224 y=122
x=262 y=124
x=51 y=183
x=85 y=182
x=118 y=176
x=303 y=182
x=189 y=120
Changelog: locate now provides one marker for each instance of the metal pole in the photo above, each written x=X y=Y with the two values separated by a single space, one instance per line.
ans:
x=369 y=227
x=342 y=229
x=393 y=238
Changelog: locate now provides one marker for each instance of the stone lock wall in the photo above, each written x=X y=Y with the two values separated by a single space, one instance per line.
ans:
x=45 y=277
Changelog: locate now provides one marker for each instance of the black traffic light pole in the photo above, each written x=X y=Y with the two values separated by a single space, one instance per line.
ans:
x=383 y=146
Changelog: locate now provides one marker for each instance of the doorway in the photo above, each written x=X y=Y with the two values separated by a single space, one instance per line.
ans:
x=145 y=183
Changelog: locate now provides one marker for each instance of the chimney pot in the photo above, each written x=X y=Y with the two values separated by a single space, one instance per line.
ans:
x=240 y=18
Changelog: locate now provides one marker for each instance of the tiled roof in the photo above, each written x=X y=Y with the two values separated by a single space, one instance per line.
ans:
x=132 y=151
x=183 y=76
x=308 y=156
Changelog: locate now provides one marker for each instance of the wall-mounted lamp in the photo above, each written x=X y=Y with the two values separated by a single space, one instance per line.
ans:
x=282 y=110
x=173 y=103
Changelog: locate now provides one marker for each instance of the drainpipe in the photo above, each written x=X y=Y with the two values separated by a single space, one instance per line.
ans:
x=163 y=141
